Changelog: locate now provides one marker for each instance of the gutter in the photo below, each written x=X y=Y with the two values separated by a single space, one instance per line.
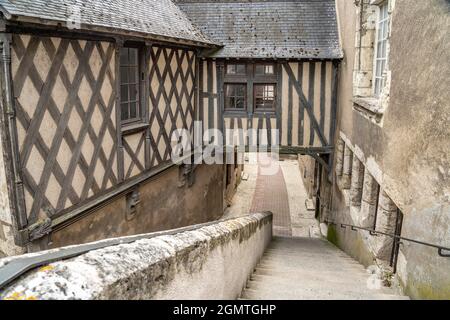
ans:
x=103 y=30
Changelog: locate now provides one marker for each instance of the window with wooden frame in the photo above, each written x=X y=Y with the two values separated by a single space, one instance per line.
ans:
x=236 y=69
x=235 y=96
x=264 y=69
x=250 y=87
x=264 y=97
x=130 y=100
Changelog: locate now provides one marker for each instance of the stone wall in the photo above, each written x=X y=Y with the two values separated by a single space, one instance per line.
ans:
x=405 y=152
x=209 y=262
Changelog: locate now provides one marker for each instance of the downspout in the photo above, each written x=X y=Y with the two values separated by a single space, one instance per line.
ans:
x=10 y=129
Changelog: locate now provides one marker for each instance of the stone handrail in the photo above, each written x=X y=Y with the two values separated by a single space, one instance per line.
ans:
x=208 y=262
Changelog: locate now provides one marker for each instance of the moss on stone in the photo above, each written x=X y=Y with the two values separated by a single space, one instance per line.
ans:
x=332 y=235
x=424 y=291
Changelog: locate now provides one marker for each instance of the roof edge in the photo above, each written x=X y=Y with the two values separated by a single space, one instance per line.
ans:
x=45 y=22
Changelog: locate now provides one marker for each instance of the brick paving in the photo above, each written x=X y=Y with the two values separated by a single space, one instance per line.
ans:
x=271 y=195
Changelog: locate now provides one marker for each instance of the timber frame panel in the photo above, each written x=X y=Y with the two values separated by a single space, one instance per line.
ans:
x=306 y=104
x=73 y=152
x=64 y=93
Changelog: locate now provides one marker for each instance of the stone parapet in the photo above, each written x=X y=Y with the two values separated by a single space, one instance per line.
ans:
x=208 y=262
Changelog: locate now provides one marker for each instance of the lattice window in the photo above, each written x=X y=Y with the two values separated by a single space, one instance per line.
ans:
x=381 y=48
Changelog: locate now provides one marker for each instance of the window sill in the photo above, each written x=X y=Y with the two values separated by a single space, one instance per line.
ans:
x=134 y=127
x=265 y=113
x=235 y=113
x=369 y=107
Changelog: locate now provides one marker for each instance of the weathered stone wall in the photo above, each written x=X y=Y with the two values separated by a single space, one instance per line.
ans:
x=211 y=262
x=406 y=153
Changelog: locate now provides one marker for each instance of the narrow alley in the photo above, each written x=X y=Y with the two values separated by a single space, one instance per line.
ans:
x=120 y=127
x=283 y=194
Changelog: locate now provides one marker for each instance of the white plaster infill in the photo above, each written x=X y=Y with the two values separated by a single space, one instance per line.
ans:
x=208 y=262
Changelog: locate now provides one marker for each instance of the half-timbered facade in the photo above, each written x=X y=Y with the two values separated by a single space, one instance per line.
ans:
x=90 y=98
x=92 y=92
x=277 y=70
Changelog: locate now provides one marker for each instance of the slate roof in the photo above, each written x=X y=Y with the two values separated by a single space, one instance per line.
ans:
x=268 y=28
x=161 y=18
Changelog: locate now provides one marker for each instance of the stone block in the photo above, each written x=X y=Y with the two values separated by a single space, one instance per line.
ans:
x=357 y=182
x=386 y=220
x=339 y=157
x=347 y=168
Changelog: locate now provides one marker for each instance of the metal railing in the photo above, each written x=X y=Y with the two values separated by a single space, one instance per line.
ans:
x=441 y=249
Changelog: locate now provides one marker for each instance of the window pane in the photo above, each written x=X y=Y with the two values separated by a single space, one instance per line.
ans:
x=262 y=69
x=133 y=54
x=240 y=90
x=236 y=69
x=134 y=92
x=380 y=32
x=383 y=66
x=240 y=103
x=229 y=102
x=231 y=69
x=379 y=70
x=124 y=56
x=235 y=96
x=124 y=111
x=265 y=96
x=259 y=69
x=124 y=93
x=134 y=74
x=123 y=75
x=269 y=69
x=379 y=50
x=133 y=110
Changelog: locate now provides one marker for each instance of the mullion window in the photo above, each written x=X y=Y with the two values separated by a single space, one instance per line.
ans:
x=257 y=80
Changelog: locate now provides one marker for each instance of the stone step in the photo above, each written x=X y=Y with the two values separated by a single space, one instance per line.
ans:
x=309 y=264
x=306 y=268
x=313 y=283
x=299 y=277
x=300 y=257
x=308 y=294
x=308 y=253
x=265 y=270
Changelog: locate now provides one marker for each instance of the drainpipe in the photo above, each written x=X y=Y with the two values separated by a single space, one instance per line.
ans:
x=10 y=130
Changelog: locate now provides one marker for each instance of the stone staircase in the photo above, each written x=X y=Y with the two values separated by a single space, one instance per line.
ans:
x=308 y=268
